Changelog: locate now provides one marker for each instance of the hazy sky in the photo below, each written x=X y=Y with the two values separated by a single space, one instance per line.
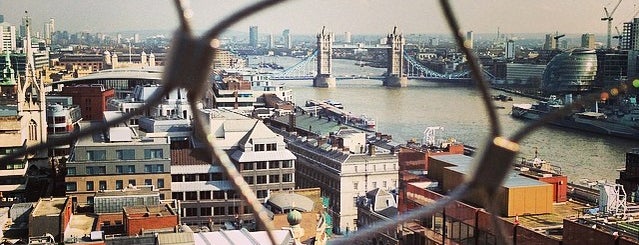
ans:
x=308 y=16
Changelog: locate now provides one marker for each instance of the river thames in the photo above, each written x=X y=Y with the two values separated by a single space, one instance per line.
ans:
x=405 y=113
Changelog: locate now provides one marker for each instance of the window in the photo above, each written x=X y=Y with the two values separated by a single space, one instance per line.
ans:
x=218 y=194
x=261 y=165
x=189 y=178
x=148 y=182
x=119 y=169
x=287 y=164
x=261 y=179
x=102 y=185
x=148 y=168
x=205 y=211
x=72 y=186
x=274 y=164
x=176 y=178
x=384 y=183
x=249 y=179
x=190 y=195
x=154 y=168
x=190 y=212
x=96 y=155
x=247 y=166
x=355 y=184
x=130 y=169
x=204 y=177
x=90 y=170
x=287 y=177
x=274 y=178
x=160 y=183
x=233 y=210
x=262 y=193
x=90 y=200
x=259 y=147
x=131 y=182
x=71 y=171
x=119 y=185
x=128 y=154
x=205 y=195
x=219 y=211
x=153 y=154
x=90 y=185
x=271 y=147
x=177 y=196
x=374 y=184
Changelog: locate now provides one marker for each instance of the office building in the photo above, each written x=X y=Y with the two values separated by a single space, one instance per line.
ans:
x=470 y=40
x=510 y=49
x=550 y=43
x=588 y=40
x=206 y=196
x=573 y=71
x=253 y=36
x=7 y=37
x=270 y=42
x=348 y=37
x=286 y=37
x=121 y=157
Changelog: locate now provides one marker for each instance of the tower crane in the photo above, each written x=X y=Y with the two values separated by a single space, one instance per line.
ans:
x=618 y=36
x=609 y=19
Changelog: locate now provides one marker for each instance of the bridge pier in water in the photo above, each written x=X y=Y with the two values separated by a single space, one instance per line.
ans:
x=395 y=76
x=324 y=77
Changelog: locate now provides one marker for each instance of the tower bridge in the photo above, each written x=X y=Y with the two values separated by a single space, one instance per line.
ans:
x=400 y=68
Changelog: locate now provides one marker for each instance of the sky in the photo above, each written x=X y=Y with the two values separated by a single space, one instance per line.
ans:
x=308 y=16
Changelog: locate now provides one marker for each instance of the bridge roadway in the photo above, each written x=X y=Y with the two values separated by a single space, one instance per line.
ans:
x=437 y=79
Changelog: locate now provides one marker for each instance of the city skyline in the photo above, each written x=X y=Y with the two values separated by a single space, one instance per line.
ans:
x=303 y=17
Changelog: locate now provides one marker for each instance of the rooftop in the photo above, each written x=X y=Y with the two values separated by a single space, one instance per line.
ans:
x=148 y=73
x=149 y=210
x=49 y=206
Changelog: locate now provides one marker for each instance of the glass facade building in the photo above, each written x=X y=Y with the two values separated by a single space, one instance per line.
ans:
x=573 y=71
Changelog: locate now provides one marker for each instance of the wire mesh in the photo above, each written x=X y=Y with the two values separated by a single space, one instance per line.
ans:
x=188 y=66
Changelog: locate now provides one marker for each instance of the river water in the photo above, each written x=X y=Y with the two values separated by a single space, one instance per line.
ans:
x=405 y=113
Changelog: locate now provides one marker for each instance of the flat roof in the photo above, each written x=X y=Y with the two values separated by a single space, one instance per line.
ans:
x=120 y=133
x=49 y=206
x=161 y=209
x=148 y=73
x=455 y=159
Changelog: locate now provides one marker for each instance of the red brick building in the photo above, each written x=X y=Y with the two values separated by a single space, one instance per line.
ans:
x=92 y=99
x=138 y=219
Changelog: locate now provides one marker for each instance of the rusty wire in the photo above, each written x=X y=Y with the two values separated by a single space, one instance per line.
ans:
x=189 y=64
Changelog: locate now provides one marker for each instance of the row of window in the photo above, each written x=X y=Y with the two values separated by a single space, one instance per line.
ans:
x=199 y=177
x=120 y=169
x=267 y=165
x=125 y=154
x=193 y=212
x=119 y=184
x=374 y=184
x=265 y=147
x=273 y=179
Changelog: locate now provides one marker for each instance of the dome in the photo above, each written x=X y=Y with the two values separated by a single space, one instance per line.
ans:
x=294 y=217
x=573 y=71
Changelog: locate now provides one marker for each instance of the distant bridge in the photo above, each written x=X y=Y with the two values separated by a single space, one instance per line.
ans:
x=318 y=65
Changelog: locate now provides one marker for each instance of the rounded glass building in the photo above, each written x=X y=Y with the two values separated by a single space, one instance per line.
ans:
x=573 y=71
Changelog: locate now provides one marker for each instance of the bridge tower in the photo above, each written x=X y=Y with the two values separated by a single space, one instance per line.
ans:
x=324 y=78
x=395 y=76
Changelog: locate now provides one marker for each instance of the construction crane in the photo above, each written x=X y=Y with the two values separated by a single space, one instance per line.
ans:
x=609 y=19
x=618 y=36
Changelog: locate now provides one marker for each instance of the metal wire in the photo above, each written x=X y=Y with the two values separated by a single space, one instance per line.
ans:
x=189 y=64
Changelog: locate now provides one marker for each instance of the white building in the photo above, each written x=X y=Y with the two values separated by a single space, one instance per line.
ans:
x=175 y=105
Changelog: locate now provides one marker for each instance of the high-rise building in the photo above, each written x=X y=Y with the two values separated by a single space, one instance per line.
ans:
x=7 y=37
x=551 y=42
x=26 y=21
x=588 y=40
x=136 y=38
x=510 y=49
x=347 y=37
x=253 y=36
x=469 y=39
x=270 y=42
x=629 y=36
x=286 y=35
x=49 y=29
